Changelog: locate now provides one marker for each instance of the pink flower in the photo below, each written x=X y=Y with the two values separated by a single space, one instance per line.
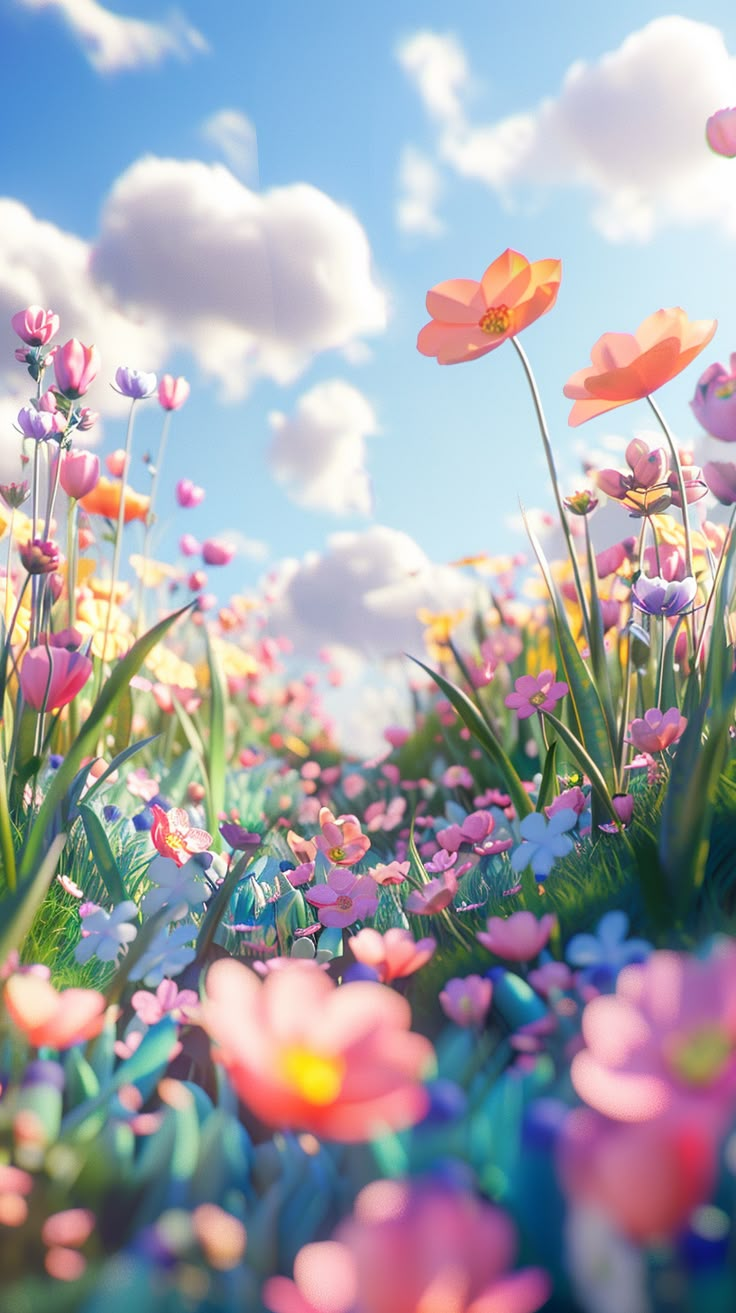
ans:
x=342 y=840
x=720 y=133
x=419 y=1247
x=217 y=553
x=391 y=873
x=301 y=874
x=721 y=479
x=172 y=392
x=165 y=694
x=353 y=785
x=35 y=326
x=394 y=954
x=658 y=730
x=69 y=886
x=115 y=462
x=303 y=1053
x=646 y=1177
x=142 y=785
x=535 y=693
x=457 y=777
x=345 y=898
x=466 y=1001
x=79 y=473
x=665 y=1042
x=76 y=367
x=168 y=1001
x=46 y=1017
x=51 y=677
x=384 y=816
x=434 y=896
x=569 y=800
x=173 y=836
x=518 y=937
x=188 y=494
x=551 y=976
x=396 y=735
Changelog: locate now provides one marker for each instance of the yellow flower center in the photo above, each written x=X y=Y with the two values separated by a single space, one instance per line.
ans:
x=315 y=1076
x=495 y=321
x=698 y=1058
x=174 y=842
x=336 y=854
x=344 y=903
x=726 y=390
x=537 y=699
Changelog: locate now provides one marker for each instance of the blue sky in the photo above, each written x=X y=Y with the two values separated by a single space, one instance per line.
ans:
x=479 y=111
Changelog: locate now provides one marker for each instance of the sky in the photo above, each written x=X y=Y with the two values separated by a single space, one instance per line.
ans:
x=259 y=197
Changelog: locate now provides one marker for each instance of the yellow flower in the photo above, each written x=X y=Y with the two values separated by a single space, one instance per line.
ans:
x=153 y=573
x=23 y=618
x=91 y=622
x=168 y=668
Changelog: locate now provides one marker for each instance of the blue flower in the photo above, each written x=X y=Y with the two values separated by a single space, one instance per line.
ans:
x=544 y=841
x=107 y=934
x=602 y=955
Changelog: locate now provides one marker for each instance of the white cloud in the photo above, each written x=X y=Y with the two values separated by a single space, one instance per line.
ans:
x=253 y=549
x=251 y=284
x=363 y=593
x=43 y=265
x=438 y=67
x=231 y=133
x=419 y=191
x=628 y=129
x=319 y=451
x=112 y=42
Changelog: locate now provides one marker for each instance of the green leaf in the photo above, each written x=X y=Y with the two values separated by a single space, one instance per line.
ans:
x=102 y=854
x=218 y=905
x=472 y=718
x=123 y=721
x=119 y=680
x=548 y=788
x=593 y=730
x=116 y=763
x=585 y=761
x=216 y=746
x=19 y=909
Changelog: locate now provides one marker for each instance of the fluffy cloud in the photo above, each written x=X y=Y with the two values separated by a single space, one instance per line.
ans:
x=438 y=67
x=363 y=593
x=112 y=42
x=251 y=284
x=419 y=190
x=234 y=136
x=627 y=128
x=41 y=264
x=319 y=451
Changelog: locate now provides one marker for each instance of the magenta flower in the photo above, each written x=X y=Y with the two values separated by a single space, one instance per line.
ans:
x=720 y=132
x=188 y=494
x=40 y=556
x=658 y=729
x=535 y=693
x=345 y=898
x=714 y=403
x=172 y=392
x=217 y=553
x=188 y=545
x=35 y=326
x=76 y=367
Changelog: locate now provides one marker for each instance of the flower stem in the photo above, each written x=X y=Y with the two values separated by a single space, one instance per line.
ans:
x=151 y=518
x=542 y=422
x=118 y=531
x=677 y=467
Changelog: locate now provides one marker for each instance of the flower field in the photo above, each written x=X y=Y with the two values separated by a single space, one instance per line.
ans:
x=449 y=1030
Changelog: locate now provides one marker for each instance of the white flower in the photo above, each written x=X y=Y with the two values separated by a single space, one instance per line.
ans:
x=106 y=934
x=177 y=886
x=167 y=955
x=544 y=841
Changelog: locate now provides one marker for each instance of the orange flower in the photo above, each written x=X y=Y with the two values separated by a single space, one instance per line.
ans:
x=470 y=319
x=105 y=500
x=626 y=368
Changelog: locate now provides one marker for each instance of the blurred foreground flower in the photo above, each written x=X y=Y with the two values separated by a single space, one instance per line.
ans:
x=714 y=403
x=46 y=1017
x=105 y=497
x=304 y=1053
x=412 y=1248
x=720 y=133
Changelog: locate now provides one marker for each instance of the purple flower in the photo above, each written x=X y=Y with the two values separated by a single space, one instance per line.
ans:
x=658 y=597
x=714 y=403
x=134 y=383
x=36 y=424
x=535 y=693
x=238 y=837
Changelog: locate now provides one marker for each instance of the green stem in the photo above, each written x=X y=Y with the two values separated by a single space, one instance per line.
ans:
x=151 y=518
x=118 y=532
x=7 y=847
x=677 y=468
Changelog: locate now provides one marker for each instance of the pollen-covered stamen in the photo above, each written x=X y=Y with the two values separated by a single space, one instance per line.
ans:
x=344 y=903
x=336 y=854
x=726 y=390
x=495 y=321
x=537 y=699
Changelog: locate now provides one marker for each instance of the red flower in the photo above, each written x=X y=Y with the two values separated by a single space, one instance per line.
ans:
x=173 y=836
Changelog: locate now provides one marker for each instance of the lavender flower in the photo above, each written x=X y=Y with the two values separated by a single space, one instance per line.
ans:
x=659 y=597
x=107 y=934
x=135 y=383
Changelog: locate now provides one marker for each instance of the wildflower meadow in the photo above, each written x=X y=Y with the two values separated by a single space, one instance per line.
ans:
x=446 y=1029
